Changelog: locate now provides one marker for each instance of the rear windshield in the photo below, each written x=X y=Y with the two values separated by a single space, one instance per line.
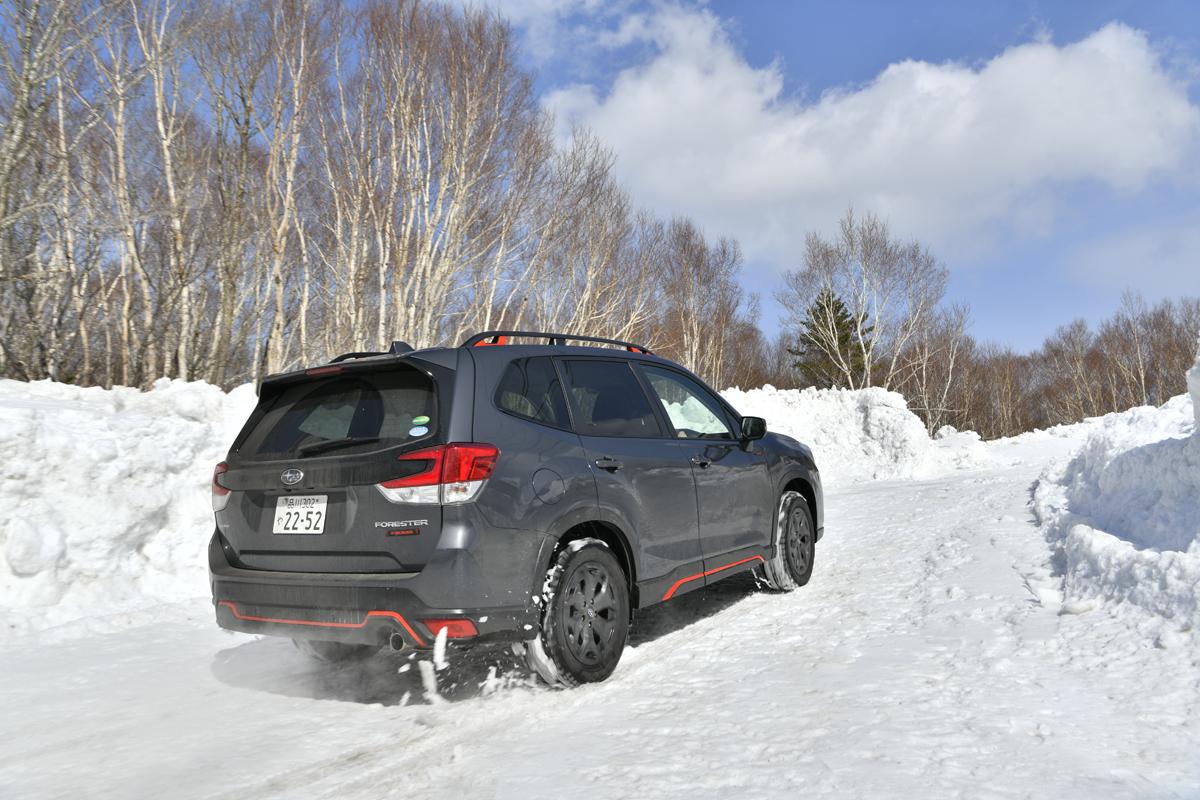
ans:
x=347 y=413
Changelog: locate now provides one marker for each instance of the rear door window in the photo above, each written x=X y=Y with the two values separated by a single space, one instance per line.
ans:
x=607 y=400
x=530 y=388
x=348 y=413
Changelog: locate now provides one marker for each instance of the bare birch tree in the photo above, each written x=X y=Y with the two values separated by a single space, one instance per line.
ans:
x=221 y=189
x=291 y=72
x=932 y=365
x=34 y=56
x=890 y=288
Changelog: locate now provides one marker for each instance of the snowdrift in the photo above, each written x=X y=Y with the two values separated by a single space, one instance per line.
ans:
x=104 y=500
x=863 y=434
x=1193 y=382
x=1125 y=511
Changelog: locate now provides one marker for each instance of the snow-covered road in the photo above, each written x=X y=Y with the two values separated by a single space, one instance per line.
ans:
x=929 y=657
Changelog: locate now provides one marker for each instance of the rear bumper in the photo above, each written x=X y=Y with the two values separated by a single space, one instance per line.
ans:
x=361 y=608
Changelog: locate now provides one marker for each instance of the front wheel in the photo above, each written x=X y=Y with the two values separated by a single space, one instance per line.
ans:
x=795 y=545
x=585 y=616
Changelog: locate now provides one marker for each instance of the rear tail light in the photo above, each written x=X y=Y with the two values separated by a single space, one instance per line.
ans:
x=465 y=469
x=452 y=473
x=458 y=628
x=220 y=494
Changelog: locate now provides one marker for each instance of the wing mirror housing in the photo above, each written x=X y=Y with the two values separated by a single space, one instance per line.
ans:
x=753 y=428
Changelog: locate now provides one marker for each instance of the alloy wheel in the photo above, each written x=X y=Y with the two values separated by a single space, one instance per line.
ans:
x=589 y=613
x=799 y=541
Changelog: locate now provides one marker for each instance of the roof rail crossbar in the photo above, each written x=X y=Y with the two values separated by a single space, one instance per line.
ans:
x=487 y=338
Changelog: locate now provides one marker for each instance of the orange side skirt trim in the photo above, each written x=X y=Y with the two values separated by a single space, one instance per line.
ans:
x=675 y=586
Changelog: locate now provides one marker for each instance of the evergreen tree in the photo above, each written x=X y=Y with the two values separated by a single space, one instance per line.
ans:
x=828 y=348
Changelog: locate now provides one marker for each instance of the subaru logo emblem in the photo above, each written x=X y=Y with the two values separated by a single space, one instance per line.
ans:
x=291 y=477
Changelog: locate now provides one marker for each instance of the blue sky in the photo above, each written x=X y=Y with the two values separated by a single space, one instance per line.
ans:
x=1048 y=153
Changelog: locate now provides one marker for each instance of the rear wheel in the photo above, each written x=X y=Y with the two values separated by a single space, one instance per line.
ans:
x=795 y=545
x=585 y=616
x=334 y=652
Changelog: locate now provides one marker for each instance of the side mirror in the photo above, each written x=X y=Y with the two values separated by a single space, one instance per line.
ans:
x=753 y=428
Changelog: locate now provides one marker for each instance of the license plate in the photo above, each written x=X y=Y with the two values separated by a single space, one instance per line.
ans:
x=303 y=513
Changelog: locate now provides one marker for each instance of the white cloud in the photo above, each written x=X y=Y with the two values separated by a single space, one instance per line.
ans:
x=546 y=26
x=954 y=153
x=1159 y=260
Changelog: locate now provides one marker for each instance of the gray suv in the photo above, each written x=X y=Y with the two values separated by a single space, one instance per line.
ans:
x=531 y=488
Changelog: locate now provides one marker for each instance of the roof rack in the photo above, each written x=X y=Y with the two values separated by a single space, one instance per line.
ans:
x=396 y=349
x=492 y=338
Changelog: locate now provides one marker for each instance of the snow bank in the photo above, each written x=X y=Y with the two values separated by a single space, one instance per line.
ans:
x=861 y=434
x=104 y=504
x=1125 y=511
x=1193 y=381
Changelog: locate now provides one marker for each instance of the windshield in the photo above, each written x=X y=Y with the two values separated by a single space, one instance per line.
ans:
x=347 y=413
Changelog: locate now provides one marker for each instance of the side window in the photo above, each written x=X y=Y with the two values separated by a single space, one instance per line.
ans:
x=608 y=400
x=530 y=388
x=692 y=409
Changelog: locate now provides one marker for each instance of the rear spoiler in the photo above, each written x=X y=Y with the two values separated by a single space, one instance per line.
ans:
x=335 y=366
x=397 y=349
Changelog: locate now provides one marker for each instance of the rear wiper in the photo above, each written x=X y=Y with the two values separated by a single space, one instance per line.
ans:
x=334 y=444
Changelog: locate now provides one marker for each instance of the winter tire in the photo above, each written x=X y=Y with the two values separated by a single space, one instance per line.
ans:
x=585 y=616
x=334 y=652
x=795 y=545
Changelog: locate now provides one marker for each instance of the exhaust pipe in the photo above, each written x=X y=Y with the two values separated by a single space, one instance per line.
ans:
x=396 y=642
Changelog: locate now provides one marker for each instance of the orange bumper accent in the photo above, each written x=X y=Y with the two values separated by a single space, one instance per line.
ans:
x=319 y=624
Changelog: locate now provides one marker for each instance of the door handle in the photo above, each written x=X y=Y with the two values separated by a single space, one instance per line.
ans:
x=701 y=462
x=610 y=464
